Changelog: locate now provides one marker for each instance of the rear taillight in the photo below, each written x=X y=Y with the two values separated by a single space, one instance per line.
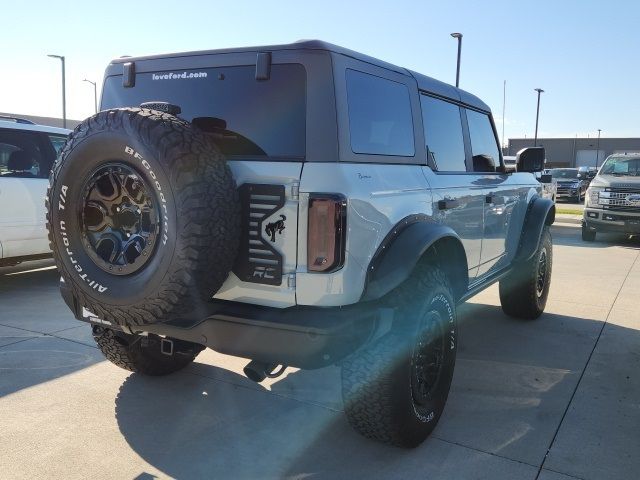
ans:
x=327 y=231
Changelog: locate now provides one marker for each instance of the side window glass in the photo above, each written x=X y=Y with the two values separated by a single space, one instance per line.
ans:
x=380 y=121
x=443 y=134
x=58 y=142
x=6 y=149
x=484 y=147
x=20 y=155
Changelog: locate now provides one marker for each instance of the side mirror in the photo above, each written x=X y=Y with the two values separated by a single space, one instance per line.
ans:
x=483 y=163
x=530 y=159
x=546 y=178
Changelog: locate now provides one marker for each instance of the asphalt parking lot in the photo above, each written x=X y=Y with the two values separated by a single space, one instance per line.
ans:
x=557 y=398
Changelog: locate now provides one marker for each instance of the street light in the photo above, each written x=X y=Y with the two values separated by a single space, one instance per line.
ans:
x=95 y=93
x=64 y=99
x=535 y=138
x=504 y=104
x=459 y=37
x=598 y=149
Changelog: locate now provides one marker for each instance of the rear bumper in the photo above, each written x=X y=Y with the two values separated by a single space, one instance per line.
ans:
x=303 y=337
x=600 y=220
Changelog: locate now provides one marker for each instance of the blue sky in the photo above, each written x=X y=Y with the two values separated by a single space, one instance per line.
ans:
x=584 y=54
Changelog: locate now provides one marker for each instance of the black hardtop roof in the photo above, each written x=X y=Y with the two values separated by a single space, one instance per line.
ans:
x=425 y=83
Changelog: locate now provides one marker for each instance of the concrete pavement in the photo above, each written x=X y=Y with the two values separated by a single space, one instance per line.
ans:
x=552 y=399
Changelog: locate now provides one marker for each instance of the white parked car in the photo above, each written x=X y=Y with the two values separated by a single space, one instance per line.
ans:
x=27 y=152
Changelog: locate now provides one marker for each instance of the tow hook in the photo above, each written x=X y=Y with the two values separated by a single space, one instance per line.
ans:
x=166 y=346
x=258 y=371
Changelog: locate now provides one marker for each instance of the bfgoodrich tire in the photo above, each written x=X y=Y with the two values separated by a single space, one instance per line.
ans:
x=143 y=216
x=524 y=292
x=395 y=389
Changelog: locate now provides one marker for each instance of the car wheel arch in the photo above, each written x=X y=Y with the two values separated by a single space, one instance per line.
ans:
x=415 y=239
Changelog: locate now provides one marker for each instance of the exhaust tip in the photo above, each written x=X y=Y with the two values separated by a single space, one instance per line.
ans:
x=256 y=370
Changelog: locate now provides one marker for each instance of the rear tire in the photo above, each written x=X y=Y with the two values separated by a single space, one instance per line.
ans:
x=395 y=388
x=142 y=354
x=524 y=292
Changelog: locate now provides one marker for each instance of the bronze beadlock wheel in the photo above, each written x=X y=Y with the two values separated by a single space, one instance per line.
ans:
x=120 y=219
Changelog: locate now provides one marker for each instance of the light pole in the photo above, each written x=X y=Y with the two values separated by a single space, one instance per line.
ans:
x=459 y=37
x=64 y=98
x=598 y=149
x=504 y=103
x=95 y=93
x=535 y=138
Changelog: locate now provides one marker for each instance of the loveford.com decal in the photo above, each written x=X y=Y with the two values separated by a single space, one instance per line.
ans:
x=178 y=76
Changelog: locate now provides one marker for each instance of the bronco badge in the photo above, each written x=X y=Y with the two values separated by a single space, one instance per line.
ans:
x=275 y=227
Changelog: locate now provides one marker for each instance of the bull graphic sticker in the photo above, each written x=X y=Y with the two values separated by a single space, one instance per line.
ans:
x=275 y=227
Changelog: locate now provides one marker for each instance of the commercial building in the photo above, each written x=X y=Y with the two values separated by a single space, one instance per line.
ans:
x=49 y=121
x=576 y=152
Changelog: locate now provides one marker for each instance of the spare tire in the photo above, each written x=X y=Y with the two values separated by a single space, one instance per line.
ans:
x=143 y=216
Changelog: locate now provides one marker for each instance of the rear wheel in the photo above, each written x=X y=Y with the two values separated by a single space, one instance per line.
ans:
x=524 y=292
x=148 y=355
x=395 y=389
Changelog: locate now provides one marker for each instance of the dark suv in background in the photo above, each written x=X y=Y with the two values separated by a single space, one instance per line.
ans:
x=572 y=184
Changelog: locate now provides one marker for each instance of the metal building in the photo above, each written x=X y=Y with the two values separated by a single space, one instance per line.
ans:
x=576 y=152
x=49 y=121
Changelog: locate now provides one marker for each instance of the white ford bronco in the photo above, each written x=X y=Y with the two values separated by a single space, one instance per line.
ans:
x=298 y=205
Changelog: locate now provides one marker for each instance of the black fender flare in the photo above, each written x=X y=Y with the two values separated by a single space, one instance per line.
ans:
x=540 y=213
x=402 y=249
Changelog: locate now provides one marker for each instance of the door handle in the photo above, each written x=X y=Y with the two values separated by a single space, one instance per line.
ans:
x=494 y=199
x=448 y=204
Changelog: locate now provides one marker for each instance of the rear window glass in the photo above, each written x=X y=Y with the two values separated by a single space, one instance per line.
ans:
x=260 y=118
x=380 y=120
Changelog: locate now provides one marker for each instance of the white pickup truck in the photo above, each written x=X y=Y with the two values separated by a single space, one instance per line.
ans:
x=27 y=152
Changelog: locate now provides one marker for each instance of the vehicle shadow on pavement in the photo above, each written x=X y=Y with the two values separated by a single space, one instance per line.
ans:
x=511 y=388
x=244 y=433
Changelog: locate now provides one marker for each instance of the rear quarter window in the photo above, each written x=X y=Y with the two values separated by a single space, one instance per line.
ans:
x=264 y=118
x=380 y=121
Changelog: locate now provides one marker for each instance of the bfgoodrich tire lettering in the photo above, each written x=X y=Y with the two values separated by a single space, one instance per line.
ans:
x=199 y=215
x=382 y=397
